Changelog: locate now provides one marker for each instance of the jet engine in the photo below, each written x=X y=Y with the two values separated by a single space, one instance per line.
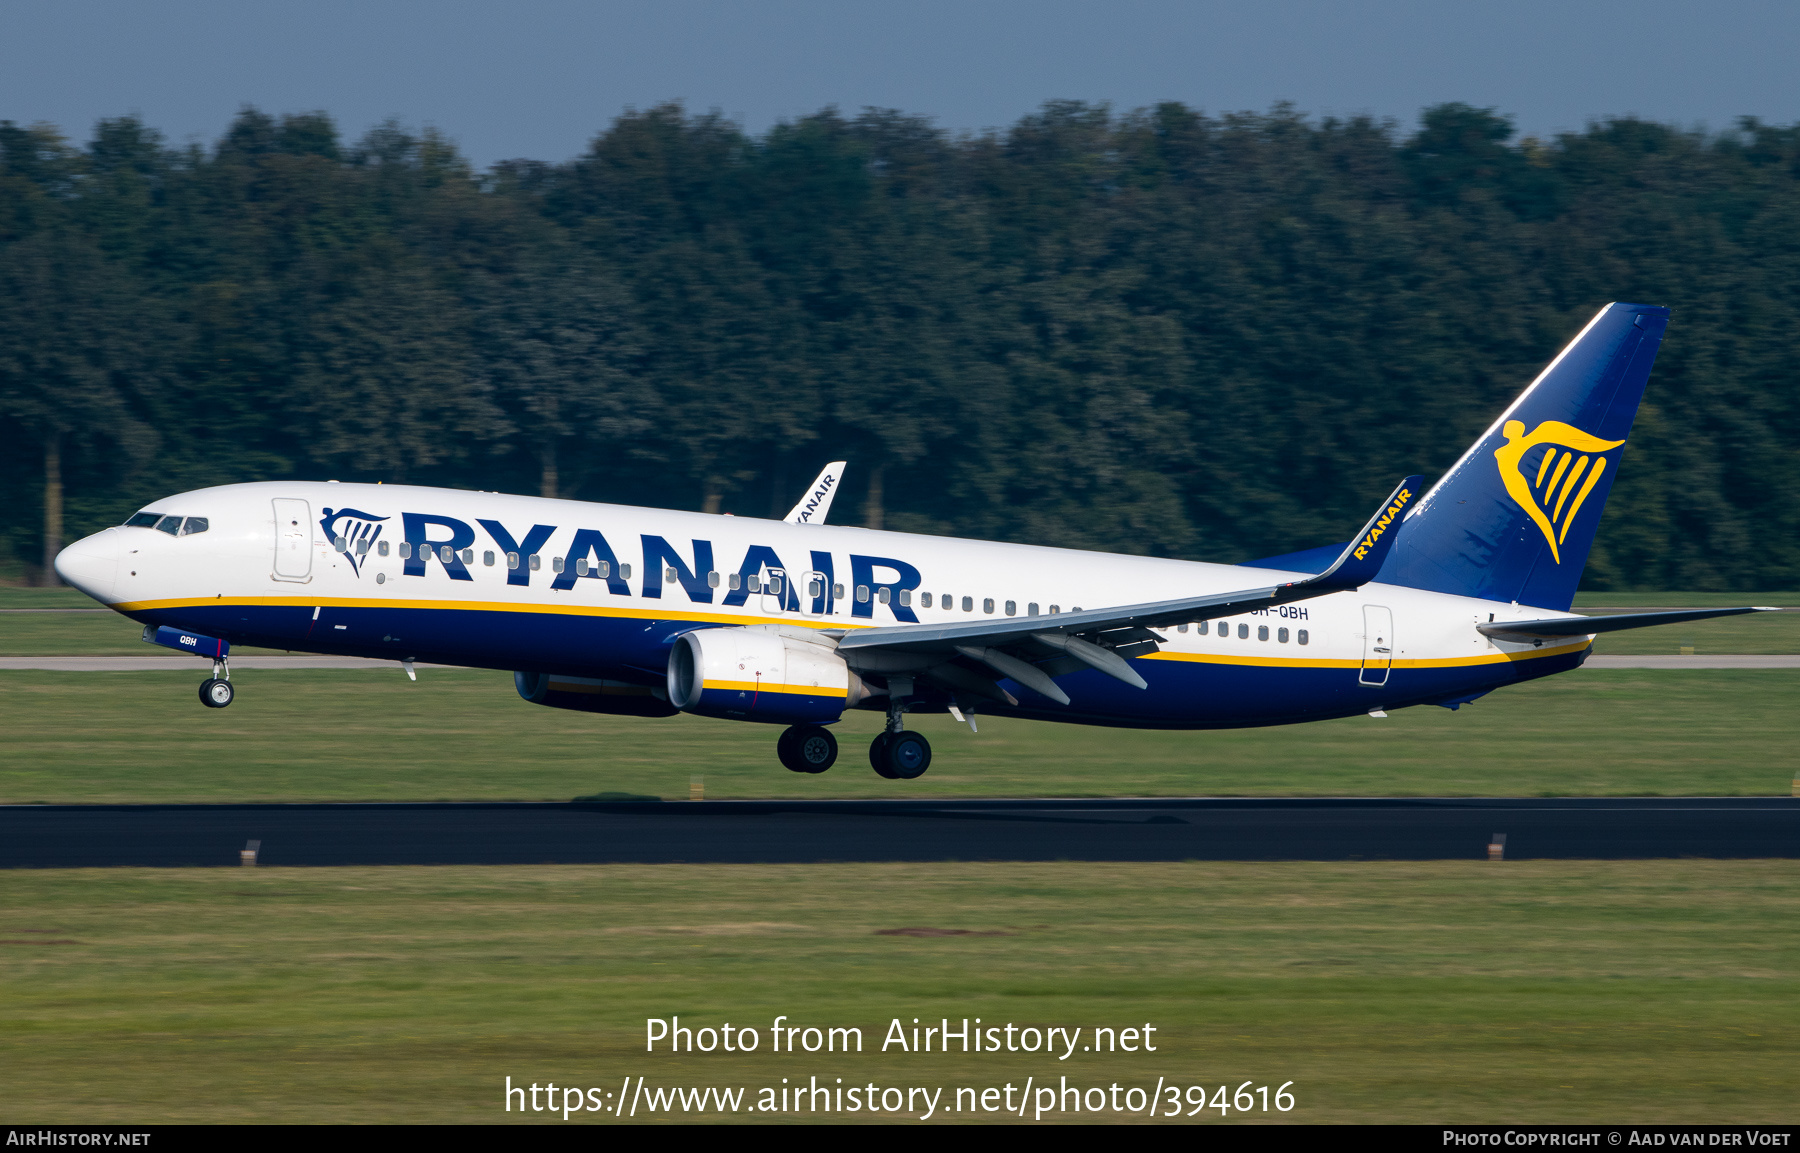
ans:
x=783 y=676
x=587 y=695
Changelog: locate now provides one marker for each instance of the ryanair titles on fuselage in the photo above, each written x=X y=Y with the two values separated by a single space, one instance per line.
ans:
x=430 y=537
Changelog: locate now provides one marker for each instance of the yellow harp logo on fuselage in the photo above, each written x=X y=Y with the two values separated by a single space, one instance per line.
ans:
x=1555 y=492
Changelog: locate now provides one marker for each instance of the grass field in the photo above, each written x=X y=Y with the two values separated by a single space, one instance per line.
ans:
x=465 y=735
x=102 y=633
x=1447 y=992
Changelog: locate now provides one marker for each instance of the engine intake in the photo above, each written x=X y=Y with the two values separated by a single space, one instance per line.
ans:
x=757 y=674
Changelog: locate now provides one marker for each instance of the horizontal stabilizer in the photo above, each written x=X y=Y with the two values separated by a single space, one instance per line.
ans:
x=1584 y=626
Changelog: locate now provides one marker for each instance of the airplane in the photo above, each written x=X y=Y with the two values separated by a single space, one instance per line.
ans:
x=1445 y=594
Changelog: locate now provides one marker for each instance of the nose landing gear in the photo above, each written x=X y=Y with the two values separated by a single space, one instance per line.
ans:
x=216 y=691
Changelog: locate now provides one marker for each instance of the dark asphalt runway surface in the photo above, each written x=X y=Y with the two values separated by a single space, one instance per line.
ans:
x=1322 y=829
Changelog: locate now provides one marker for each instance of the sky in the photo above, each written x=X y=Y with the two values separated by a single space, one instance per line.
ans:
x=539 y=78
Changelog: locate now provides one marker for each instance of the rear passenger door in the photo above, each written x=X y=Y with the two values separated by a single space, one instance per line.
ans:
x=1378 y=644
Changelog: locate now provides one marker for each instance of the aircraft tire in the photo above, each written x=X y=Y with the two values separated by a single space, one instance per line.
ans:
x=878 y=756
x=905 y=755
x=807 y=748
x=215 y=693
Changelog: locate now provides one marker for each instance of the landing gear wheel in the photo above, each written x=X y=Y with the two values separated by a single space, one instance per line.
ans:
x=807 y=748
x=878 y=756
x=900 y=756
x=215 y=693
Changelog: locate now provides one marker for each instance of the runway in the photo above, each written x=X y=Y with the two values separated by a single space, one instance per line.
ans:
x=1322 y=829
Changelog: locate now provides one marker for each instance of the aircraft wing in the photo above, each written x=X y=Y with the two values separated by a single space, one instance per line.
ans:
x=1016 y=648
x=1584 y=626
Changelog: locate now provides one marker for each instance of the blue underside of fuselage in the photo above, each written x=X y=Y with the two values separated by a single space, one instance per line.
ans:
x=1182 y=694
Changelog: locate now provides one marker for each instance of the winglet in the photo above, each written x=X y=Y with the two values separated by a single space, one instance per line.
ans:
x=817 y=501
x=1364 y=556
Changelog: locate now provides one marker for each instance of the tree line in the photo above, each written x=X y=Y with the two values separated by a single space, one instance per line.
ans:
x=1163 y=332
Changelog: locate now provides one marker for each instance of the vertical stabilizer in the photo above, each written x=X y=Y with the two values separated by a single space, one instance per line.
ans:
x=1514 y=518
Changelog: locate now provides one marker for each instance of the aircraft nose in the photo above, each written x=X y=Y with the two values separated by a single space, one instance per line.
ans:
x=91 y=564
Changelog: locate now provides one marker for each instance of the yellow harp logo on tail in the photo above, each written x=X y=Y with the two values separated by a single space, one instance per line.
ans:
x=1557 y=488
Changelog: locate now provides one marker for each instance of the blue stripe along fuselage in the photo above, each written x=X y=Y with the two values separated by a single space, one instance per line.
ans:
x=1183 y=694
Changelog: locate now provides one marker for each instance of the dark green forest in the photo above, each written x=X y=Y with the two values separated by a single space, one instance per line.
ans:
x=1161 y=332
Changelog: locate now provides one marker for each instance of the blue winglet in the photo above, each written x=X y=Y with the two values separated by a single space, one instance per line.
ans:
x=1363 y=557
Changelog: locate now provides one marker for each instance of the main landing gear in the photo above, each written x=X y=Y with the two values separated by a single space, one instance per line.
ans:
x=897 y=754
x=807 y=748
x=216 y=691
x=900 y=756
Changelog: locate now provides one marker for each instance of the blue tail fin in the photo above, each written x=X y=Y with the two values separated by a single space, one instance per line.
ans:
x=1514 y=518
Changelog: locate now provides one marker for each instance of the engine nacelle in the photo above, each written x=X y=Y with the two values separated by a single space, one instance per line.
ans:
x=587 y=695
x=757 y=674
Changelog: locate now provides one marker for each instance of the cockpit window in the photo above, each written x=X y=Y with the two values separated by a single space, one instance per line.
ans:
x=192 y=525
x=170 y=525
x=144 y=520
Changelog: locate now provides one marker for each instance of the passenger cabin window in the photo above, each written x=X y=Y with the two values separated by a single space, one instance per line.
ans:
x=1181 y=628
x=487 y=559
x=512 y=560
x=405 y=550
x=905 y=597
x=144 y=520
x=1031 y=609
x=537 y=562
x=712 y=579
x=814 y=588
x=670 y=576
x=170 y=525
x=1262 y=632
x=446 y=553
x=381 y=547
x=1203 y=627
x=556 y=564
x=925 y=600
x=754 y=584
x=987 y=605
x=885 y=595
x=362 y=546
x=1054 y=609
x=1243 y=632
x=735 y=581
x=468 y=556
x=604 y=568
x=1300 y=636
x=340 y=544
x=968 y=604
x=581 y=567
x=1012 y=608
x=197 y=524
x=1281 y=635
x=837 y=592
x=862 y=594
